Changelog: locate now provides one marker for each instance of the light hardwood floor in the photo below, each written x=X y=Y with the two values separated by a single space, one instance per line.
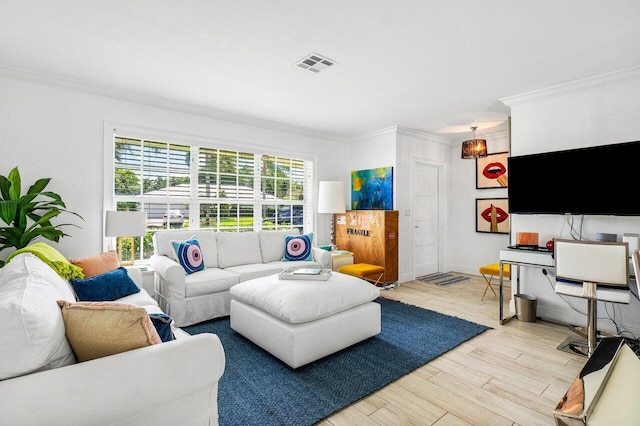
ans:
x=509 y=375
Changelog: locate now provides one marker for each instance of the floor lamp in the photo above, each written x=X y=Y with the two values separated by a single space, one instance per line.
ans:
x=125 y=225
x=583 y=269
x=331 y=200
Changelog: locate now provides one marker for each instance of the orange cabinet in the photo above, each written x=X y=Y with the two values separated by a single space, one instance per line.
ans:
x=372 y=237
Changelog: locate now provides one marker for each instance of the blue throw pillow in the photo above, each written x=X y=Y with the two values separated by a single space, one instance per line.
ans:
x=162 y=323
x=189 y=255
x=298 y=247
x=105 y=287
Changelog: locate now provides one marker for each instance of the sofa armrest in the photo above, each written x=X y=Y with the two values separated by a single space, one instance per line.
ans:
x=323 y=257
x=135 y=273
x=171 y=272
x=134 y=386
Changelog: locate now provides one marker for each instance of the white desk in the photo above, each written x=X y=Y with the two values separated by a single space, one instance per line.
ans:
x=517 y=258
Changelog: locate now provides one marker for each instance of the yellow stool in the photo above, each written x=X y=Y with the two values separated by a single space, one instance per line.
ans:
x=493 y=270
x=363 y=270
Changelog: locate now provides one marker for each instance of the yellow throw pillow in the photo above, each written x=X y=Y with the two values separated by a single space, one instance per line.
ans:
x=98 y=264
x=99 y=329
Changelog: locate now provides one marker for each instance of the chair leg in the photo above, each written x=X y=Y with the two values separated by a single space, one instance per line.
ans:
x=591 y=325
x=488 y=281
x=580 y=346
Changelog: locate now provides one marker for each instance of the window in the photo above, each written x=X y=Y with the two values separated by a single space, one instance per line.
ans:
x=195 y=187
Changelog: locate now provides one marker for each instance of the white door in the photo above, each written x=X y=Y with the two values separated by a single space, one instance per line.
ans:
x=425 y=219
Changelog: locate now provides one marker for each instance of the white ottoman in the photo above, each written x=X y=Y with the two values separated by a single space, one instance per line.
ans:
x=300 y=321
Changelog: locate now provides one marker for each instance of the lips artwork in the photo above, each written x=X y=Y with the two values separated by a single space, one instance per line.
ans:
x=496 y=171
x=494 y=215
x=492 y=171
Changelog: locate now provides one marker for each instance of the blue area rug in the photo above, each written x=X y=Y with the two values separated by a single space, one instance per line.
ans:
x=259 y=389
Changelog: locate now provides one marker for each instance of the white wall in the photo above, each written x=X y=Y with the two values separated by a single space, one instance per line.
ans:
x=462 y=249
x=53 y=131
x=468 y=250
x=412 y=147
x=592 y=112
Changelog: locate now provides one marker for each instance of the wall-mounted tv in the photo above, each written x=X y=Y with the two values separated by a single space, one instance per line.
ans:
x=598 y=180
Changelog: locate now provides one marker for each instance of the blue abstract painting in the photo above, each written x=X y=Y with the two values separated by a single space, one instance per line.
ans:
x=372 y=189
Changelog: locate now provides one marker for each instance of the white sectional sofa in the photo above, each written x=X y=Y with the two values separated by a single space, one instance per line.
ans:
x=229 y=258
x=170 y=383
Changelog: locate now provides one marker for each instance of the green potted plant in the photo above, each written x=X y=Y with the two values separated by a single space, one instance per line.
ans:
x=27 y=217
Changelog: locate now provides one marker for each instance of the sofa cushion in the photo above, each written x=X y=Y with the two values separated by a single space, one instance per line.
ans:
x=188 y=255
x=238 y=248
x=33 y=336
x=104 y=287
x=255 y=270
x=206 y=238
x=99 y=329
x=209 y=281
x=272 y=243
x=98 y=264
x=298 y=247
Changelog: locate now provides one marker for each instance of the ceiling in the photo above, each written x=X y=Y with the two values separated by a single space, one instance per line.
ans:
x=424 y=64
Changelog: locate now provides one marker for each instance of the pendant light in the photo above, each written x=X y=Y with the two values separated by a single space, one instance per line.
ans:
x=474 y=148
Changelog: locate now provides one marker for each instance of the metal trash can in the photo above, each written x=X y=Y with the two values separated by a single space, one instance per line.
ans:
x=526 y=306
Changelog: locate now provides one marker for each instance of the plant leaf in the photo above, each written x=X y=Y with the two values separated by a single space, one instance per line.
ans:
x=8 y=210
x=15 y=181
x=4 y=187
x=39 y=186
x=56 y=197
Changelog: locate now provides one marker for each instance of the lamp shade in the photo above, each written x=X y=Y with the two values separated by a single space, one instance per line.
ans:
x=125 y=224
x=474 y=148
x=331 y=197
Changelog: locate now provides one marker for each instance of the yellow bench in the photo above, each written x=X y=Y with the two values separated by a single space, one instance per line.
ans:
x=493 y=270
x=364 y=271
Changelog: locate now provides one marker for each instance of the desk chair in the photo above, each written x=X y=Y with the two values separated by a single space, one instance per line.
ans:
x=493 y=270
x=595 y=271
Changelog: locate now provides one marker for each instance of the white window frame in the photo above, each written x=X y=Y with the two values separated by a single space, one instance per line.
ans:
x=113 y=130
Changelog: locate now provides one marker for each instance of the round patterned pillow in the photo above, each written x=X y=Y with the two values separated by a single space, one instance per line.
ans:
x=189 y=255
x=298 y=247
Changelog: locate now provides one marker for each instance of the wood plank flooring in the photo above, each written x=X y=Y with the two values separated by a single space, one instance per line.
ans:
x=510 y=375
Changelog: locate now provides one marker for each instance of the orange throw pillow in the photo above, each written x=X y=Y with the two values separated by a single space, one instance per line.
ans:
x=98 y=264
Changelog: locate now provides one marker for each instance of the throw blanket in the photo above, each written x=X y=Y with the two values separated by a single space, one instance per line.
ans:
x=51 y=257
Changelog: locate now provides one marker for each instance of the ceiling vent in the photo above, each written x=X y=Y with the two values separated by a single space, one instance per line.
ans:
x=315 y=63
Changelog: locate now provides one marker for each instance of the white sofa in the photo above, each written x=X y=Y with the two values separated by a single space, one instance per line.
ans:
x=170 y=383
x=229 y=258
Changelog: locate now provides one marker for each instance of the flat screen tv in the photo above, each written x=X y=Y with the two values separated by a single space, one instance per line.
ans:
x=597 y=180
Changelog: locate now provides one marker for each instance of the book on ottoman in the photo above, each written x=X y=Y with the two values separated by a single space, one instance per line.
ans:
x=314 y=274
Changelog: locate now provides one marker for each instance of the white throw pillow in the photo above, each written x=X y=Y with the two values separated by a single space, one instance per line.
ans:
x=33 y=337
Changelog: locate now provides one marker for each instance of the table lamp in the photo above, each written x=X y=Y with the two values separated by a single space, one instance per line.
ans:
x=125 y=225
x=331 y=200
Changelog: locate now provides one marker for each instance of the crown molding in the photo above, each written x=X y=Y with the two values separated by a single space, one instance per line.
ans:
x=420 y=134
x=158 y=102
x=573 y=86
x=374 y=133
x=404 y=131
